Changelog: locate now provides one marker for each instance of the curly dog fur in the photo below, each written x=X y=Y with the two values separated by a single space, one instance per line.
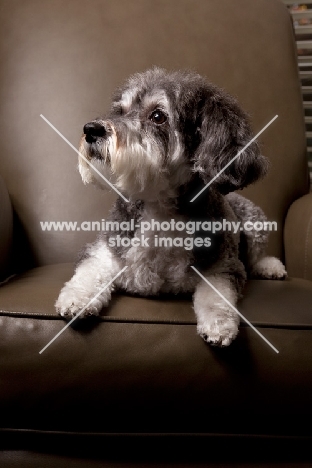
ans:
x=166 y=136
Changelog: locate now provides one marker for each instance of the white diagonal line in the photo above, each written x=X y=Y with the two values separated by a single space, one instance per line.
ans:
x=82 y=310
x=82 y=156
x=235 y=157
x=234 y=308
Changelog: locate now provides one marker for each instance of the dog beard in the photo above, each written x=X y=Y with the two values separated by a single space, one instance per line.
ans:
x=134 y=167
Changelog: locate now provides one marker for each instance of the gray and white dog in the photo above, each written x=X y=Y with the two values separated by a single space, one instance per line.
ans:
x=166 y=136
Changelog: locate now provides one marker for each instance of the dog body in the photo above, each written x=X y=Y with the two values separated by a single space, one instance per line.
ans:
x=167 y=135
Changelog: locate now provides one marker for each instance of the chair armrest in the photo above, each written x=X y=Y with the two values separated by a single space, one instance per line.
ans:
x=298 y=238
x=6 y=229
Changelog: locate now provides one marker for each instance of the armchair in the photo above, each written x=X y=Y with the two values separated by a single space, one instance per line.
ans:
x=138 y=385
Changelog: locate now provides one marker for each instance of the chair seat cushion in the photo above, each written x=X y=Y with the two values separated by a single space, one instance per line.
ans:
x=142 y=368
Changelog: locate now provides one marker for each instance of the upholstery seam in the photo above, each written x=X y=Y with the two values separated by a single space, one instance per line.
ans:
x=306 y=249
x=94 y=434
x=133 y=320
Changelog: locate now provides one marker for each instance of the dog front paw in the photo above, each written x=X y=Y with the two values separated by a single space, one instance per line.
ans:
x=219 y=331
x=74 y=302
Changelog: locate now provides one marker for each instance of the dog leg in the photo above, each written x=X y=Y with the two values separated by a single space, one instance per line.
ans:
x=91 y=276
x=217 y=322
x=255 y=242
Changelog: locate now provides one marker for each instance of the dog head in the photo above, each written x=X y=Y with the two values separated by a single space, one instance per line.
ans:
x=162 y=130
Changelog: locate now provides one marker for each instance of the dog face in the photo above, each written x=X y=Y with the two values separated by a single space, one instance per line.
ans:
x=162 y=130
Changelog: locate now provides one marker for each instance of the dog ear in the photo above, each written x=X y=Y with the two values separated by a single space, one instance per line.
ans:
x=222 y=131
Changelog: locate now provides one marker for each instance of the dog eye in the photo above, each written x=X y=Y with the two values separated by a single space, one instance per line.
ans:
x=158 y=117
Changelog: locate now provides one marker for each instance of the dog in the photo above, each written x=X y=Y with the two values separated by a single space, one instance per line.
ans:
x=166 y=136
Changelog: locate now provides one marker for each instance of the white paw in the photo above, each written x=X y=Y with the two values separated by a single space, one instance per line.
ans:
x=72 y=302
x=269 y=268
x=219 y=329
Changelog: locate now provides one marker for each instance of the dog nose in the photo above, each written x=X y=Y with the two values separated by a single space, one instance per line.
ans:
x=93 y=130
